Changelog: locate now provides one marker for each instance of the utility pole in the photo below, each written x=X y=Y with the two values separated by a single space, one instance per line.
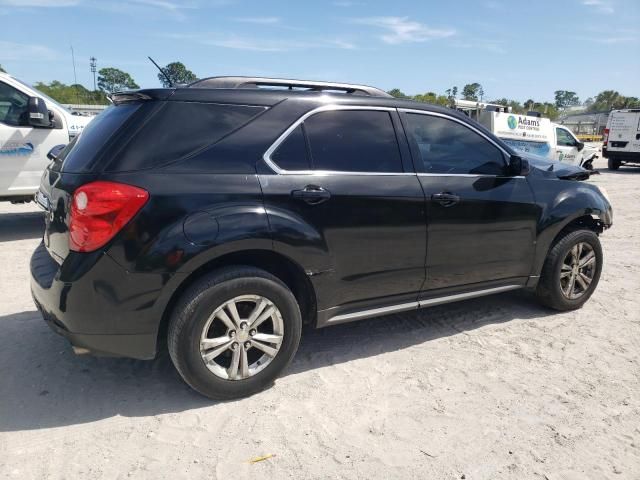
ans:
x=93 y=62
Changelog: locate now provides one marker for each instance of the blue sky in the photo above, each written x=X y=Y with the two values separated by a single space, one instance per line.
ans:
x=515 y=49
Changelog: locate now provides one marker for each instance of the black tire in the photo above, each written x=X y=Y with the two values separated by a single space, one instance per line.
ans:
x=194 y=308
x=548 y=290
x=613 y=163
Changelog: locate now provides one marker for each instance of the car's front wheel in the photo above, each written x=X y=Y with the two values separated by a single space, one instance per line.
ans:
x=571 y=271
x=233 y=332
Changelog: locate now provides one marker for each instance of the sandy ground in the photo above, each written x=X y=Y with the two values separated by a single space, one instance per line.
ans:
x=490 y=388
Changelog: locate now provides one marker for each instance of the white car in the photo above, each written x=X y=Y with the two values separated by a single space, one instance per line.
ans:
x=622 y=138
x=540 y=136
x=31 y=124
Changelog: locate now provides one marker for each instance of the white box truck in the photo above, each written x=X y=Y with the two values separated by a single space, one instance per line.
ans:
x=31 y=124
x=539 y=136
x=622 y=138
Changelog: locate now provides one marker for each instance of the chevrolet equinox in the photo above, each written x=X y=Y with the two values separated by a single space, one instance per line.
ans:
x=224 y=215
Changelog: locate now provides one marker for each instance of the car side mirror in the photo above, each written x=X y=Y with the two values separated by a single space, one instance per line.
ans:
x=519 y=166
x=54 y=153
x=38 y=113
x=580 y=146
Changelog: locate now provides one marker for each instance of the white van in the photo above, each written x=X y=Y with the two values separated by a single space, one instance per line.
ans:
x=539 y=136
x=31 y=124
x=622 y=138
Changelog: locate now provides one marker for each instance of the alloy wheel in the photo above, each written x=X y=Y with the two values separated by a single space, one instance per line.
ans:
x=578 y=270
x=241 y=337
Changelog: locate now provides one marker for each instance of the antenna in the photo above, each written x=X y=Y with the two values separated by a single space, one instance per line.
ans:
x=162 y=72
x=75 y=78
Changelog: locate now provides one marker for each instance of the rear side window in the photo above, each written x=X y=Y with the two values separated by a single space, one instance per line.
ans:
x=446 y=146
x=81 y=156
x=292 y=154
x=179 y=129
x=353 y=141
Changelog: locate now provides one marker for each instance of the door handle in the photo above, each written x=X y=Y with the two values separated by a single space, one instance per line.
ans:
x=312 y=194
x=445 y=199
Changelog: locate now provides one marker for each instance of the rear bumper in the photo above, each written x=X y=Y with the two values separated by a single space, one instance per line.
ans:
x=133 y=346
x=106 y=310
x=627 y=157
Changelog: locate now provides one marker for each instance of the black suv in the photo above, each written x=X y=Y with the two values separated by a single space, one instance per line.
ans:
x=226 y=214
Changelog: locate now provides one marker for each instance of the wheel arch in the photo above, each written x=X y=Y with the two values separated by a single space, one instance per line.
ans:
x=282 y=267
x=579 y=221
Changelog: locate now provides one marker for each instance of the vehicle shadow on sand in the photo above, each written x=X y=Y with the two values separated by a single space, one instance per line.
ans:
x=45 y=385
x=21 y=225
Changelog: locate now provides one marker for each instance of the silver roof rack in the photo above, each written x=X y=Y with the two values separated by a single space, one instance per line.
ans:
x=257 y=82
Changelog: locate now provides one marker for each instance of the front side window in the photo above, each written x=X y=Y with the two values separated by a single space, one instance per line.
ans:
x=353 y=141
x=446 y=146
x=13 y=106
x=565 y=139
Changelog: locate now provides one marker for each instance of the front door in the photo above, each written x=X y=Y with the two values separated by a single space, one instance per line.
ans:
x=481 y=222
x=343 y=181
x=23 y=149
x=566 y=147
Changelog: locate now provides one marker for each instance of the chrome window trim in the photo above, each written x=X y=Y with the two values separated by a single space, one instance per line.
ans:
x=457 y=120
x=325 y=108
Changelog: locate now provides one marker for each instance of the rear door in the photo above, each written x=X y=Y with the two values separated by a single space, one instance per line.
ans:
x=624 y=131
x=344 y=179
x=481 y=222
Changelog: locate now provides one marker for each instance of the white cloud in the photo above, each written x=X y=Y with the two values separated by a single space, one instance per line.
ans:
x=10 y=51
x=601 y=6
x=259 y=20
x=165 y=4
x=615 y=40
x=402 y=30
x=493 y=46
x=239 y=42
x=39 y=3
x=493 y=5
x=346 y=3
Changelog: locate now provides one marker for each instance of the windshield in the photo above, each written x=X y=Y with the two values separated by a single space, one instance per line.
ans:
x=45 y=96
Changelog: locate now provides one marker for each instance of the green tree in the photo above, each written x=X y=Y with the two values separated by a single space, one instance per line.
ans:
x=472 y=91
x=396 y=92
x=433 y=98
x=71 y=93
x=2 y=69
x=608 y=100
x=114 y=80
x=632 y=102
x=177 y=73
x=566 y=98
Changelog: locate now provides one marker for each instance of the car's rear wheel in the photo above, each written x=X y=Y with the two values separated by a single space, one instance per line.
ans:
x=233 y=332
x=613 y=163
x=571 y=271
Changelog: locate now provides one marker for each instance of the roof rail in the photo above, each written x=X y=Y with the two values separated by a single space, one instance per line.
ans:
x=257 y=82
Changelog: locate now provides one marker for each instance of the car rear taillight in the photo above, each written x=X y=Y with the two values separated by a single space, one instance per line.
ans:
x=99 y=210
x=605 y=137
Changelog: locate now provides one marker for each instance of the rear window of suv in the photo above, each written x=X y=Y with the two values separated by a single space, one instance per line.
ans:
x=81 y=156
x=158 y=134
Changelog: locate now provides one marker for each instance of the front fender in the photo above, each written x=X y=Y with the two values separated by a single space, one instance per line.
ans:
x=570 y=205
